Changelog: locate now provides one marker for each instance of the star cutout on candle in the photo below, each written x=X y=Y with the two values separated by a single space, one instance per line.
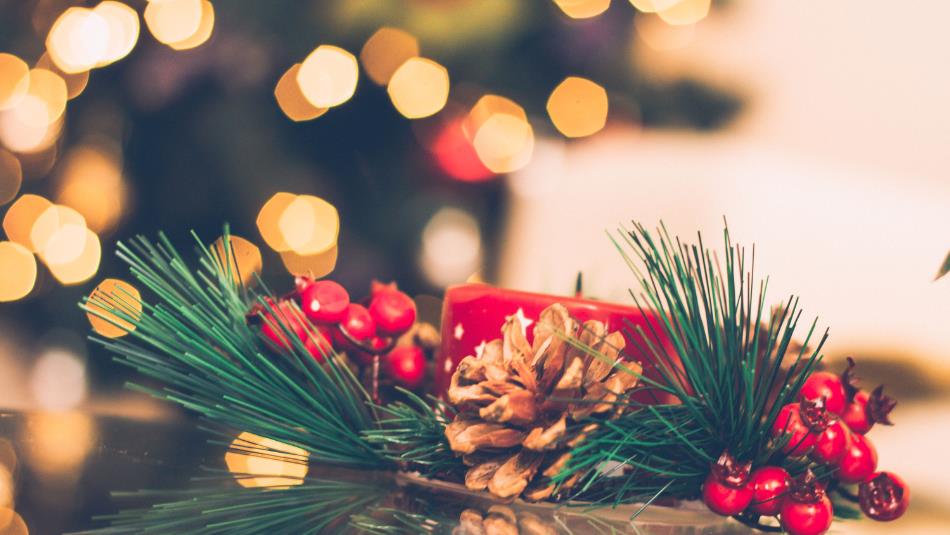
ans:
x=522 y=320
x=448 y=365
x=459 y=331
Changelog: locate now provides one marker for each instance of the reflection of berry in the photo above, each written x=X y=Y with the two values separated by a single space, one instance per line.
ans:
x=324 y=301
x=884 y=496
x=859 y=460
x=726 y=490
x=827 y=386
x=806 y=510
x=393 y=311
x=769 y=485
x=407 y=366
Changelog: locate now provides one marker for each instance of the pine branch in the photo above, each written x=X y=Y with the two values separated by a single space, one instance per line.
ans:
x=729 y=374
x=194 y=339
x=412 y=434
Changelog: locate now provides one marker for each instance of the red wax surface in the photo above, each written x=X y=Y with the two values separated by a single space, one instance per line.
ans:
x=475 y=313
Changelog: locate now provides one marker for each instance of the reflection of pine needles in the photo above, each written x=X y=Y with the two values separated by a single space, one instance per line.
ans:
x=194 y=339
x=728 y=377
x=317 y=506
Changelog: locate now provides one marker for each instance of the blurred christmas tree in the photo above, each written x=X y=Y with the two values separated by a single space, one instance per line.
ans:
x=187 y=126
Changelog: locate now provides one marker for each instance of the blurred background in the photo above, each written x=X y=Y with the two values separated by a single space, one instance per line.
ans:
x=461 y=140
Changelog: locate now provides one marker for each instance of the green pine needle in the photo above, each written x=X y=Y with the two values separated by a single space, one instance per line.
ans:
x=194 y=339
x=731 y=376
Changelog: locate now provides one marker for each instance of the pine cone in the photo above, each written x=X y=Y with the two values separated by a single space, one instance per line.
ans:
x=521 y=408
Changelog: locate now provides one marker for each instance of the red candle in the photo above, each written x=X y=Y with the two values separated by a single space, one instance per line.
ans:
x=475 y=313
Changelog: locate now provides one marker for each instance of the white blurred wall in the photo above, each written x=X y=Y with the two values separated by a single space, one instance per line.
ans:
x=838 y=170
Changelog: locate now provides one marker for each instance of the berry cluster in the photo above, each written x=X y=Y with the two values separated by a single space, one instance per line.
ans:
x=828 y=427
x=332 y=322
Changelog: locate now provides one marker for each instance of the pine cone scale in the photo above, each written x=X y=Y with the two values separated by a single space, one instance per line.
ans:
x=520 y=407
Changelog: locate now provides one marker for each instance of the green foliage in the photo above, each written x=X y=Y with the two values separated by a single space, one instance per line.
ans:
x=194 y=339
x=412 y=433
x=730 y=374
x=316 y=506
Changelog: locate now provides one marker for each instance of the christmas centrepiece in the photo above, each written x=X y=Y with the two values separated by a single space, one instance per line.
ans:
x=698 y=392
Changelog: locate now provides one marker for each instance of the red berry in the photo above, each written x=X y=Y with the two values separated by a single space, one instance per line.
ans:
x=790 y=422
x=865 y=410
x=393 y=311
x=884 y=496
x=407 y=366
x=769 y=485
x=284 y=316
x=827 y=386
x=318 y=344
x=809 y=516
x=856 y=415
x=324 y=301
x=859 y=460
x=377 y=344
x=831 y=443
x=358 y=322
x=727 y=490
x=377 y=286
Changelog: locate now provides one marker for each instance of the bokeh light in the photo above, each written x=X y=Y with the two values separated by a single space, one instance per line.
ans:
x=20 y=217
x=82 y=267
x=652 y=6
x=49 y=222
x=123 y=33
x=257 y=461
x=660 y=36
x=11 y=176
x=173 y=21
x=115 y=300
x=582 y=9
x=309 y=225
x=578 y=107
x=75 y=83
x=78 y=39
x=385 y=51
x=685 y=12
x=44 y=101
x=316 y=265
x=203 y=33
x=268 y=220
x=91 y=182
x=14 y=80
x=292 y=100
x=58 y=380
x=25 y=138
x=19 y=271
x=419 y=88
x=328 y=76
x=58 y=442
x=456 y=156
x=451 y=247
x=244 y=261
x=11 y=523
x=500 y=133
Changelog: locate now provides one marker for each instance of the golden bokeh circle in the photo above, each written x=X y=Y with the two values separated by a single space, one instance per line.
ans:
x=11 y=176
x=419 y=88
x=243 y=263
x=292 y=100
x=385 y=51
x=19 y=271
x=578 y=107
x=21 y=216
x=328 y=76
x=116 y=300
